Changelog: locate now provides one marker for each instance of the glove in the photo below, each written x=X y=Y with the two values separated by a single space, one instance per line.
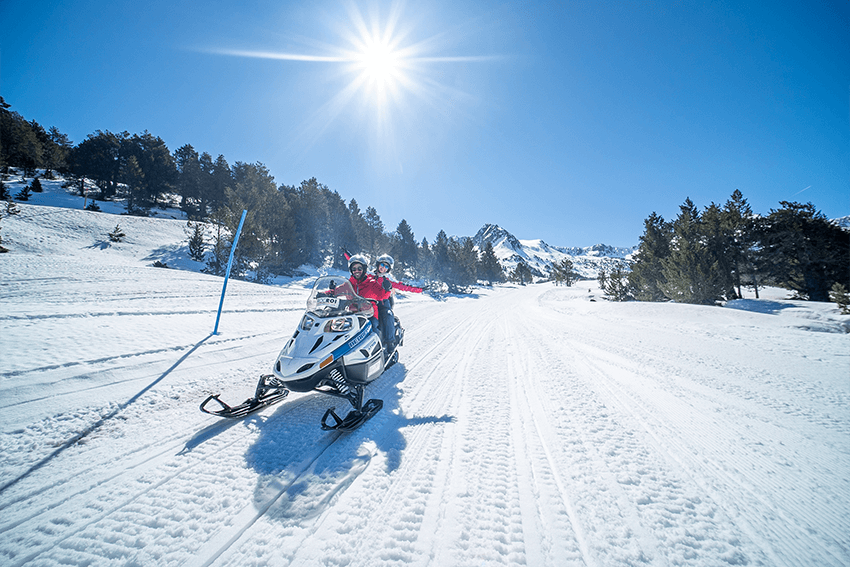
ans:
x=387 y=284
x=332 y=285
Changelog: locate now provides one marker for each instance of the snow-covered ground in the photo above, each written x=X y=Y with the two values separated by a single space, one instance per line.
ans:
x=533 y=425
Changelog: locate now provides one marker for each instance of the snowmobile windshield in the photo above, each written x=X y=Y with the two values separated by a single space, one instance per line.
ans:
x=333 y=296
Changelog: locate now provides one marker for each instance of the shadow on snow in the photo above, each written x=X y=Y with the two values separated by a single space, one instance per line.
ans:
x=302 y=468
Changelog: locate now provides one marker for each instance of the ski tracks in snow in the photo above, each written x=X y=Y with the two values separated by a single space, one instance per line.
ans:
x=718 y=491
x=510 y=435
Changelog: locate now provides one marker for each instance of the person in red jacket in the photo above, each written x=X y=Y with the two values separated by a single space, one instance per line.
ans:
x=392 y=335
x=365 y=285
x=382 y=272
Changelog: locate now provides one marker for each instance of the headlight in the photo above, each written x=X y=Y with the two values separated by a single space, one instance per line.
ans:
x=307 y=323
x=338 y=325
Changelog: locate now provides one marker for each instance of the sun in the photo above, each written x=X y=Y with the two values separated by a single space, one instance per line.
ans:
x=380 y=63
x=386 y=73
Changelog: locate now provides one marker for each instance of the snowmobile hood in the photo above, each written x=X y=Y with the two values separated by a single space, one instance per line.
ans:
x=335 y=324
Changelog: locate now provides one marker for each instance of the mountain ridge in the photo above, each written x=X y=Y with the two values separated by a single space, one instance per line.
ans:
x=540 y=256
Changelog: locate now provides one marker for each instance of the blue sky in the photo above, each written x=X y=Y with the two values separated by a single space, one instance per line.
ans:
x=566 y=121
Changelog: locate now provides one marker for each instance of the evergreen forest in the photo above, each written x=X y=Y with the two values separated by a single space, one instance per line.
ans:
x=699 y=257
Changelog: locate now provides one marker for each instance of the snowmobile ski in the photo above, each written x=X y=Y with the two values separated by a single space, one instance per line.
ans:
x=269 y=391
x=354 y=419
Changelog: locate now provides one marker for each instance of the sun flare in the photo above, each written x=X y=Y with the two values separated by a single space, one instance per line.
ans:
x=380 y=63
x=386 y=72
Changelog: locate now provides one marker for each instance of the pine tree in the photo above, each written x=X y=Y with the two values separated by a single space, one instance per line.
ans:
x=489 y=268
x=226 y=222
x=647 y=276
x=189 y=180
x=280 y=225
x=100 y=157
x=522 y=274
x=564 y=273
x=56 y=156
x=615 y=284
x=4 y=193
x=196 y=240
x=404 y=249
x=117 y=234
x=156 y=164
x=133 y=177
x=718 y=240
x=691 y=271
x=802 y=251
x=463 y=263
x=36 y=187
x=838 y=295
x=440 y=255
x=738 y=221
x=24 y=194
x=222 y=179
x=376 y=242
x=359 y=228
x=219 y=255
x=425 y=260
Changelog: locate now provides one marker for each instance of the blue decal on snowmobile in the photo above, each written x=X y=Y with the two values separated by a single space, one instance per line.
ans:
x=352 y=344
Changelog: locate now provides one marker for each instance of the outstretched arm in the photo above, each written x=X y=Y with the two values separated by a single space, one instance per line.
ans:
x=404 y=287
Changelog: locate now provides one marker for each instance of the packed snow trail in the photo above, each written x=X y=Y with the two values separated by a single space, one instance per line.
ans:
x=523 y=425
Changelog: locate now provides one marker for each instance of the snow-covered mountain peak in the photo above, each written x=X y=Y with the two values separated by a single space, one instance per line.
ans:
x=497 y=236
x=540 y=256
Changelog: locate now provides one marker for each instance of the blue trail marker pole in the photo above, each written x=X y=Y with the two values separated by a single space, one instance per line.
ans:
x=227 y=274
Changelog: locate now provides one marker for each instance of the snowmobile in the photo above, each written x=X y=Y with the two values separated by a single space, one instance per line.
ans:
x=335 y=350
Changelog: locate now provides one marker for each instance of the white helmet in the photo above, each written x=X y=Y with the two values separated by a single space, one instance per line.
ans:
x=386 y=259
x=358 y=259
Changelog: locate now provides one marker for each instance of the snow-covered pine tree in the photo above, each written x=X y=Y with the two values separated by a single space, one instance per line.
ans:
x=838 y=295
x=615 y=284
